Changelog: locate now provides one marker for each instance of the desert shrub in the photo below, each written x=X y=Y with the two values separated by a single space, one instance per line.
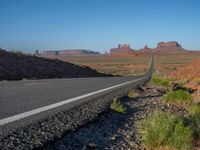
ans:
x=183 y=82
x=182 y=137
x=194 y=109
x=194 y=119
x=117 y=106
x=163 y=130
x=133 y=94
x=194 y=124
x=156 y=80
x=179 y=96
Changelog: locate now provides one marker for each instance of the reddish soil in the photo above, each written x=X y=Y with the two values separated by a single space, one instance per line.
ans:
x=190 y=73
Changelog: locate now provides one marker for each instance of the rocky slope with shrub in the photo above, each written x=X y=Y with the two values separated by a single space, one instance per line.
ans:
x=189 y=76
x=17 y=66
x=118 y=127
x=156 y=116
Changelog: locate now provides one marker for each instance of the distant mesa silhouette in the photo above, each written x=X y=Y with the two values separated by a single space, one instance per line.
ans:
x=67 y=52
x=123 y=49
x=165 y=47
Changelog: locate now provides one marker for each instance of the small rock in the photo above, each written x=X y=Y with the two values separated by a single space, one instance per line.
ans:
x=92 y=145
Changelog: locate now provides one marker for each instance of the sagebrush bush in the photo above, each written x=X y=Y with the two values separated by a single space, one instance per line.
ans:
x=194 y=119
x=179 y=96
x=193 y=109
x=194 y=124
x=156 y=80
x=165 y=131
x=117 y=106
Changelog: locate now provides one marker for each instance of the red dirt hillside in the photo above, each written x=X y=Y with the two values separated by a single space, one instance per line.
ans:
x=191 y=74
x=17 y=66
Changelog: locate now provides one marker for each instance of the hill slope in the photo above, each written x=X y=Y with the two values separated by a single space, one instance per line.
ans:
x=191 y=74
x=188 y=72
x=16 y=66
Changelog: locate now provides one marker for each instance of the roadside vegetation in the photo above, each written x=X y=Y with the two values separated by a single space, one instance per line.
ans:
x=159 y=81
x=165 y=131
x=194 y=119
x=117 y=106
x=178 y=97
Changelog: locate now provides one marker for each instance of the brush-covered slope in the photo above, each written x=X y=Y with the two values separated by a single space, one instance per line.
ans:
x=190 y=74
x=17 y=66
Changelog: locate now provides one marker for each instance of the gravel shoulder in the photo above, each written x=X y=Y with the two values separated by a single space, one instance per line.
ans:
x=39 y=134
x=92 y=125
x=113 y=130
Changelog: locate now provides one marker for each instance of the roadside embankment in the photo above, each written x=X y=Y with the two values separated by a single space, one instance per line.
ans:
x=43 y=132
x=114 y=130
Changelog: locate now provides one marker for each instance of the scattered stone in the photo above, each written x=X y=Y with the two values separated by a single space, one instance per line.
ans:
x=92 y=126
x=115 y=131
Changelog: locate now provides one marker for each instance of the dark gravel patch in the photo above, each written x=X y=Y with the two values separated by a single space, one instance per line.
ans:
x=42 y=133
x=39 y=134
x=116 y=131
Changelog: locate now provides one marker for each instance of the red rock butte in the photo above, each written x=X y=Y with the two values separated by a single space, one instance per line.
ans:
x=169 y=47
x=165 y=47
x=122 y=50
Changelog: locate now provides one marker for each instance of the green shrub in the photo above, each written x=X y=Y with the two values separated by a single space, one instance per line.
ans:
x=179 y=96
x=194 y=124
x=194 y=109
x=163 y=130
x=117 y=106
x=133 y=94
x=182 y=137
x=156 y=80
x=183 y=82
x=194 y=119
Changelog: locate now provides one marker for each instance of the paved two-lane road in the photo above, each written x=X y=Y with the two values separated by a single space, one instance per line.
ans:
x=22 y=99
x=17 y=97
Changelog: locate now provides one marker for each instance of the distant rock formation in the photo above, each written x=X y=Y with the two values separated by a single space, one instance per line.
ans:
x=145 y=49
x=122 y=50
x=169 y=47
x=164 y=47
x=68 y=52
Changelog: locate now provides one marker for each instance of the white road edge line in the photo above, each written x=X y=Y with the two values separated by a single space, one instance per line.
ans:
x=45 y=108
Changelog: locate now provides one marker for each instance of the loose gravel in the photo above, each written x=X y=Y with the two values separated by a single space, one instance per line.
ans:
x=114 y=130
x=91 y=125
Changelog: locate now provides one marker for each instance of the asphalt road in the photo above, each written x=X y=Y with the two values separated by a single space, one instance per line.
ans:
x=21 y=96
x=21 y=99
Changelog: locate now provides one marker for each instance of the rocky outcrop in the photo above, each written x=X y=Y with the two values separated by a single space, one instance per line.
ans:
x=122 y=50
x=164 y=47
x=146 y=49
x=169 y=47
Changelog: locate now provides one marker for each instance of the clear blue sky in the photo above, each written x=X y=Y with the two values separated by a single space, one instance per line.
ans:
x=97 y=24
